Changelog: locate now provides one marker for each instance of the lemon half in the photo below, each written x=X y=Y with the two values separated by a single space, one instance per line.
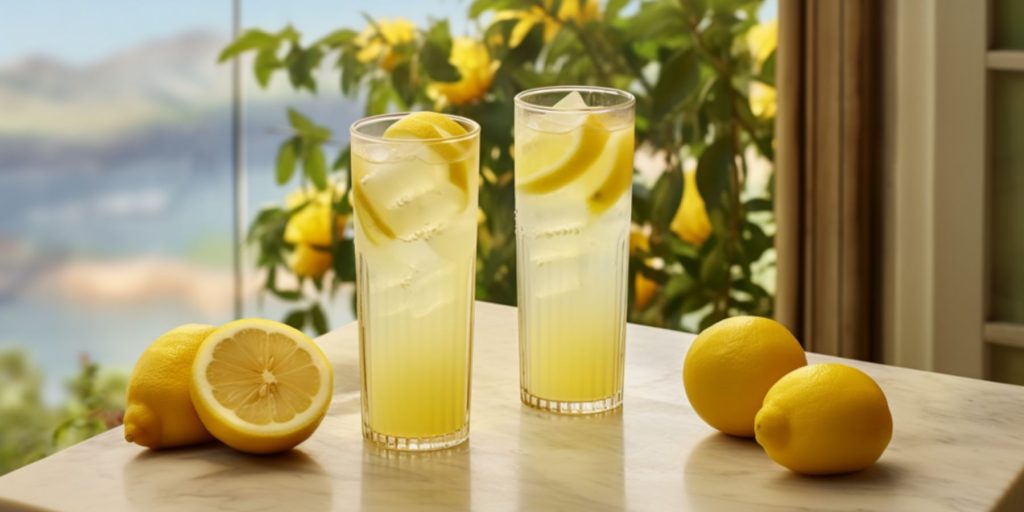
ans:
x=260 y=386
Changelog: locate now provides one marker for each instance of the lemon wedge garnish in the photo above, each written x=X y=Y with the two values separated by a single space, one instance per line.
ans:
x=619 y=176
x=563 y=151
x=368 y=217
x=260 y=386
x=431 y=125
x=384 y=189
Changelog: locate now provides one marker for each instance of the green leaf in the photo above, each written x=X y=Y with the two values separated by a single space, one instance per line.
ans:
x=758 y=204
x=694 y=302
x=301 y=123
x=288 y=295
x=711 y=319
x=378 y=99
x=301 y=64
x=695 y=8
x=479 y=7
x=756 y=241
x=678 y=80
x=314 y=165
x=613 y=8
x=753 y=289
x=719 y=102
x=641 y=204
x=713 y=170
x=714 y=270
x=288 y=33
x=436 y=50
x=286 y=156
x=252 y=39
x=741 y=110
x=654 y=21
x=718 y=222
x=344 y=260
x=307 y=127
x=337 y=38
x=767 y=74
x=402 y=81
x=265 y=64
x=343 y=206
x=318 y=319
x=351 y=71
x=725 y=6
x=296 y=319
x=681 y=248
x=665 y=196
x=266 y=216
x=678 y=284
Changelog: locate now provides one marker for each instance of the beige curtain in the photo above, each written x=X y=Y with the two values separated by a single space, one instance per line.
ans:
x=828 y=185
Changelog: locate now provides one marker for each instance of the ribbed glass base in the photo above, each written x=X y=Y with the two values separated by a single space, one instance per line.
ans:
x=417 y=444
x=573 y=408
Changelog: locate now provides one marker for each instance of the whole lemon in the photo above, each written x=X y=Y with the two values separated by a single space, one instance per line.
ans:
x=691 y=221
x=159 y=411
x=824 y=419
x=307 y=261
x=732 y=364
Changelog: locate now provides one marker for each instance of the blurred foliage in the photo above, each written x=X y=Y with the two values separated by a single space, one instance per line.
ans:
x=702 y=72
x=31 y=429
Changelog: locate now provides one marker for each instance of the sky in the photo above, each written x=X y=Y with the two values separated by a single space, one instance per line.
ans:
x=82 y=32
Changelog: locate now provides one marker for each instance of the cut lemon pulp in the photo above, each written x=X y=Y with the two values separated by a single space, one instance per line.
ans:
x=260 y=386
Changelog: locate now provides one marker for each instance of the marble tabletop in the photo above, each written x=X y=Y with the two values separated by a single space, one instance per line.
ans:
x=958 y=444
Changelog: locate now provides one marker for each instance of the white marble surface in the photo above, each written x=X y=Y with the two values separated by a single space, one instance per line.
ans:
x=958 y=445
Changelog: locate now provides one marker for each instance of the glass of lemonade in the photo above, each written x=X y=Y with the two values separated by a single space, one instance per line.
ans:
x=414 y=191
x=574 y=174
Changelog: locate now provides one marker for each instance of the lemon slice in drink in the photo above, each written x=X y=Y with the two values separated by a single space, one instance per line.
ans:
x=619 y=175
x=431 y=125
x=368 y=218
x=260 y=386
x=562 y=151
x=391 y=198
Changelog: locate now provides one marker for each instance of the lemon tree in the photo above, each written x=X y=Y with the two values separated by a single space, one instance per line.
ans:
x=703 y=74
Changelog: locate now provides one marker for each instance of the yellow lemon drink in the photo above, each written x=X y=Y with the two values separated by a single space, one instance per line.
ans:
x=414 y=192
x=574 y=170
